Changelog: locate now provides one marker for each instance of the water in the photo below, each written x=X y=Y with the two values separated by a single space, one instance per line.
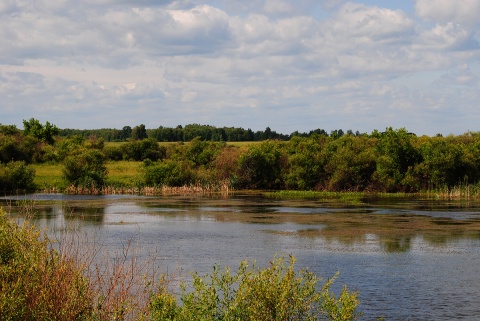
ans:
x=409 y=259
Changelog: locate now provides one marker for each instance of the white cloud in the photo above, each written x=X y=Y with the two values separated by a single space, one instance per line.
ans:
x=444 y=11
x=447 y=36
x=363 y=24
x=277 y=6
x=293 y=65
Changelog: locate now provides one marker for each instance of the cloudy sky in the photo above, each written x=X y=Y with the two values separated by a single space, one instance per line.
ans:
x=286 y=64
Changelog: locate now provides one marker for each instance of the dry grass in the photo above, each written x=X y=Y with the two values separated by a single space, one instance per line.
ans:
x=121 y=283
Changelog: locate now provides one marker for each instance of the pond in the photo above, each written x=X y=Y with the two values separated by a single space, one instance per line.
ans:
x=409 y=258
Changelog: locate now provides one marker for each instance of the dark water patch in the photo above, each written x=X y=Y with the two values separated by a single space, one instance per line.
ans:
x=449 y=222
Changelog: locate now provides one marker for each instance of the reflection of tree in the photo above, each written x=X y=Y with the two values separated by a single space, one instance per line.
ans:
x=84 y=213
x=395 y=244
x=441 y=239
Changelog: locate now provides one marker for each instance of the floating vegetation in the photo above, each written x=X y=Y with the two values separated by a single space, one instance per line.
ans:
x=347 y=197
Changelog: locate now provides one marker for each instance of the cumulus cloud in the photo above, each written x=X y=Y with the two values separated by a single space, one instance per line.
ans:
x=309 y=63
x=445 y=11
x=370 y=24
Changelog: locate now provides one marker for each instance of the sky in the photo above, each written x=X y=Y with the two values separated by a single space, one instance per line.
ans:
x=285 y=64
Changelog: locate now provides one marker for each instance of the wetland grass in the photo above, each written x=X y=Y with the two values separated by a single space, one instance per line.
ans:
x=347 y=197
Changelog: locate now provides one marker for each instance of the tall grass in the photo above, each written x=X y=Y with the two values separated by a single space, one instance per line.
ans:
x=457 y=192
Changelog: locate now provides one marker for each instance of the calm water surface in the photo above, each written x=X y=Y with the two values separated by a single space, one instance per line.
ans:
x=409 y=259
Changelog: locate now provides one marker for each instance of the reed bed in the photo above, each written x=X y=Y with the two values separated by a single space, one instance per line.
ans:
x=458 y=192
x=204 y=189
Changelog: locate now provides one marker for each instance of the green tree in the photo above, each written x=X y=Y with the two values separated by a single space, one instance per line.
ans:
x=306 y=162
x=45 y=132
x=139 y=132
x=16 y=175
x=139 y=150
x=350 y=164
x=261 y=166
x=397 y=155
x=201 y=152
x=126 y=132
x=167 y=173
x=85 y=169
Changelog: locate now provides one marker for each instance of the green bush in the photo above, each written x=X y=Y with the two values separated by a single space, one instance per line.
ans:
x=274 y=293
x=16 y=176
x=86 y=169
x=260 y=167
x=169 y=173
x=37 y=283
x=139 y=150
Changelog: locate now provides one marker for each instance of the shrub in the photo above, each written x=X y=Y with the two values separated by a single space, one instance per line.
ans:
x=86 y=169
x=168 y=173
x=113 y=153
x=139 y=150
x=37 y=283
x=260 y=167
x=277 y=292
x=16 y=176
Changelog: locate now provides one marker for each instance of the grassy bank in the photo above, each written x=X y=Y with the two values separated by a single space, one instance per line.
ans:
x=126 y=177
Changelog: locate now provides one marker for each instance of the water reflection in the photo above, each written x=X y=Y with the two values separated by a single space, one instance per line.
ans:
x=410 y=259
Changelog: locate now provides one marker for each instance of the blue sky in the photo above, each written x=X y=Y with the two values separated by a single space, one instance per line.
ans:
x=289 y=65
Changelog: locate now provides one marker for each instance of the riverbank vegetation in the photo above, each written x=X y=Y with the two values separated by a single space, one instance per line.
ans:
x=73 y=280
x=382 y=162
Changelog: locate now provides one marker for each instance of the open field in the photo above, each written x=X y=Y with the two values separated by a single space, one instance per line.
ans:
x=120 y=173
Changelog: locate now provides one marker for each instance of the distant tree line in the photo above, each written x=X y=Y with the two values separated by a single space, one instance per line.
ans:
x=388 y=161
x=191 y=131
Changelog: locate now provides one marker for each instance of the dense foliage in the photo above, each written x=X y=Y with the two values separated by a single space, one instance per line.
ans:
x=15 y=176
x=389 y=161
x=35 y=282
x=278 y=292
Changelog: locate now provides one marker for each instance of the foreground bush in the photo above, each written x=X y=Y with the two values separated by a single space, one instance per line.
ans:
x=35 y=282
x=274 y=293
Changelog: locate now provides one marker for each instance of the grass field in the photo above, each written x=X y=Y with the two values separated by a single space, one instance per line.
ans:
x=121 y=173
x=124 y=173
x=48 y=176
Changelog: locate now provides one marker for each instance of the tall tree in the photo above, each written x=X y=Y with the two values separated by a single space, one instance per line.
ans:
x=46 y=132
x=139 y=132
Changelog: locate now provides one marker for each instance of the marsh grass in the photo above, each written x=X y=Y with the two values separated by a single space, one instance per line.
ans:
x=458 y=192
x=347 y=197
